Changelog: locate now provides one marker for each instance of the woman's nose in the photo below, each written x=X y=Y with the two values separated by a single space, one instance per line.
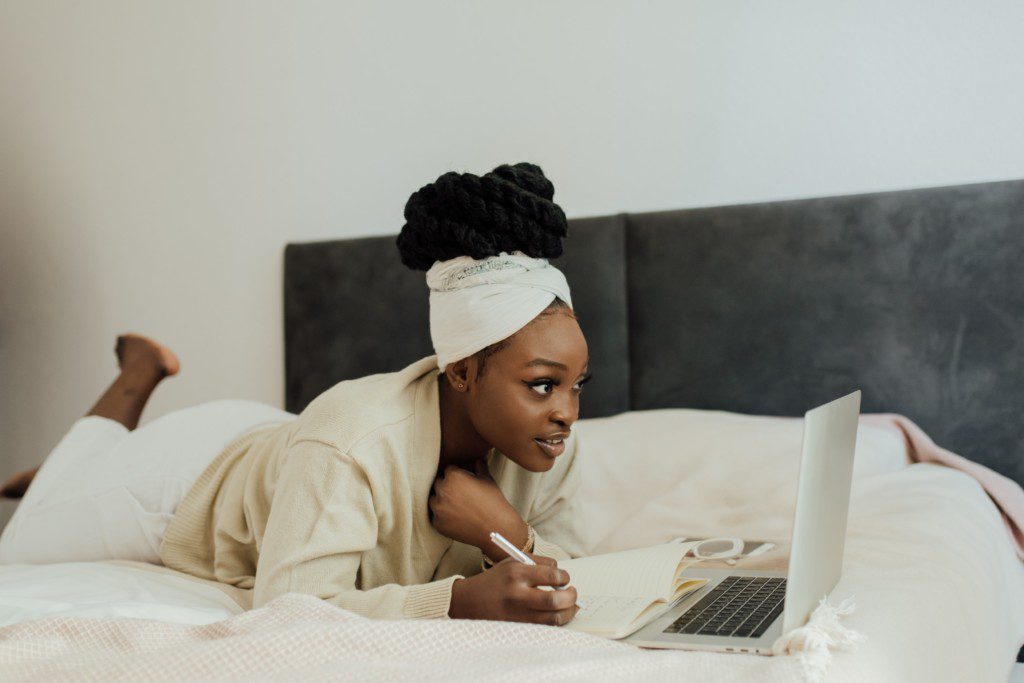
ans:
x=567 y=413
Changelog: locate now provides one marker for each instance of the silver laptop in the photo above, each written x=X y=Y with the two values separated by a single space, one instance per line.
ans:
x=746 y=610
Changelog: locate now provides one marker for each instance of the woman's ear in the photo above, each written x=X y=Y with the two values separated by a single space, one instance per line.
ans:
x=458 y=374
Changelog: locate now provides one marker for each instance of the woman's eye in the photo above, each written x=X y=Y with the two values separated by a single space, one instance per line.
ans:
x=579 y=387
x=542 y=384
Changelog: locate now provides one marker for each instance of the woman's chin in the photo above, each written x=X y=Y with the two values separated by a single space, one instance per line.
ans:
x=536 y=458
x=535 y=463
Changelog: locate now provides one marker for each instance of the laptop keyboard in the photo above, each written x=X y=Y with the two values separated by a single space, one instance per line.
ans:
x=740 y=606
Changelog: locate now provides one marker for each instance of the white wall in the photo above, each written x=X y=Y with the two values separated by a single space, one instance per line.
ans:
x=156 y=157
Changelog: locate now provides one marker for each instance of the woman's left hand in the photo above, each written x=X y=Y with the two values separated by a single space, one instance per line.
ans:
x=467 y=507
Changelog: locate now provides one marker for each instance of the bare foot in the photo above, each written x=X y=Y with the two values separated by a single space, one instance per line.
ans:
x=137 y=352
x=16 y=486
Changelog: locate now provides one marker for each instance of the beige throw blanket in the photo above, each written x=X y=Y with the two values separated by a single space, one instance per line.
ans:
x=301 y=638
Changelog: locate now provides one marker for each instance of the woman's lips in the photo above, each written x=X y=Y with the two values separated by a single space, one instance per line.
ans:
x=551 y=450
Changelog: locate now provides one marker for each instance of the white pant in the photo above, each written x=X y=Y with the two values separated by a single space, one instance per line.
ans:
x=108 y=493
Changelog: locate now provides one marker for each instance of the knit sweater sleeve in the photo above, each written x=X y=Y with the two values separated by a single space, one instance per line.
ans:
x=321 y=520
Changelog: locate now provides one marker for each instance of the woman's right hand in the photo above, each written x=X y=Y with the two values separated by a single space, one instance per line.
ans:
x=508 y=592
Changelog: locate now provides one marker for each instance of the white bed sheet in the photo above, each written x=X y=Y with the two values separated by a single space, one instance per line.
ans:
x=107 y=590
x=939 y=590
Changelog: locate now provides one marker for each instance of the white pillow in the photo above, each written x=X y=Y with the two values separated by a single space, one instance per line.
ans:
x=649 y=476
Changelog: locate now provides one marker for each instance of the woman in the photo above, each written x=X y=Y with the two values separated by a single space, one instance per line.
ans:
x=380 y=496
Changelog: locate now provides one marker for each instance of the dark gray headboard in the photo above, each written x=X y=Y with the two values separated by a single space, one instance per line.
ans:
x=916 y=297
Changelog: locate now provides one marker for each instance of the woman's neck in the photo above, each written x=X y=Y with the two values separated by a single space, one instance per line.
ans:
x=461 y=445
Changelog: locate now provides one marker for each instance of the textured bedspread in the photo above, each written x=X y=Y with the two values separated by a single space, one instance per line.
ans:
x=298 y=637
x=938 y=587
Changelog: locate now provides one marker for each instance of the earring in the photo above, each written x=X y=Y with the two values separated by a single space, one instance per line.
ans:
x=460 y=386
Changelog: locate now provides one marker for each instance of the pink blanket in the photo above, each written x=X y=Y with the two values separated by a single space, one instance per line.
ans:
x=1004 y=492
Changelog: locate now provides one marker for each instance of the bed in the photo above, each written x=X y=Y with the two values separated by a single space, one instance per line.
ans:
x=710 y=330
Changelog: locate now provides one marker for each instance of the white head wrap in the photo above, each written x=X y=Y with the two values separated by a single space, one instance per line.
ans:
x=477 y=302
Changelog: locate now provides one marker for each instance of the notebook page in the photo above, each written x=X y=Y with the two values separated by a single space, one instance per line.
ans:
x=608 y=615
x=641 y=573
x=616 y=617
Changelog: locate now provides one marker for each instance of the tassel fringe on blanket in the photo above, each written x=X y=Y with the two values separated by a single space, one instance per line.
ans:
x=813 y=642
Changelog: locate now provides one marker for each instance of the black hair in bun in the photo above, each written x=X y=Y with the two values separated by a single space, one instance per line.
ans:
x=461 y=214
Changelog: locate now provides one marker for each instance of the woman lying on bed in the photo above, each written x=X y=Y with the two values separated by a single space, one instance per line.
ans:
x=380 y=496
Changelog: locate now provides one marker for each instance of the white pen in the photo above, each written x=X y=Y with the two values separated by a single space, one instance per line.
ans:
x=518 y=555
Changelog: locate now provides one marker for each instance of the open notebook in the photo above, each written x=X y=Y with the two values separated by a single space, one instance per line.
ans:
x=621 y=592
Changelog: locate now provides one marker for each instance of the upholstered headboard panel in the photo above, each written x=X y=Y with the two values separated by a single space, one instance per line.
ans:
x=916 y=297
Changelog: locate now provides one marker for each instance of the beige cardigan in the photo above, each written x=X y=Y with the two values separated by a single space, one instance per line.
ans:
x=334 y=504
